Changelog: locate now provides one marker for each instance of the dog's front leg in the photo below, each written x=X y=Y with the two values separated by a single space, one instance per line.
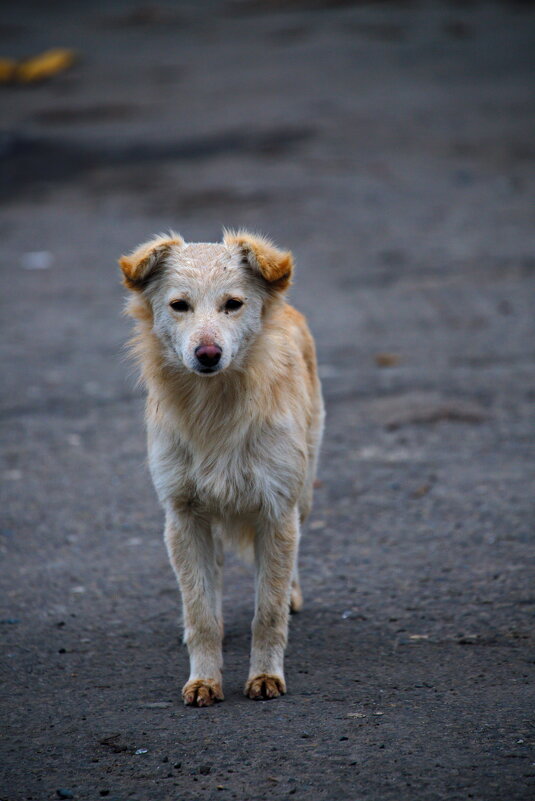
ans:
x=275 y=555
x=197 y=561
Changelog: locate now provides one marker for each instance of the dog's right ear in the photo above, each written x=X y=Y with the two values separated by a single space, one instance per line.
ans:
x=142 y=264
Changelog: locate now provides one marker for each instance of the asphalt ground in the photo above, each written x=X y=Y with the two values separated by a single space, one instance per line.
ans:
x=391 y=147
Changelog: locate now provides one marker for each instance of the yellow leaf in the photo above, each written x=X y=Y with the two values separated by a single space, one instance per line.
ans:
x=45 y=65
x=8 y=68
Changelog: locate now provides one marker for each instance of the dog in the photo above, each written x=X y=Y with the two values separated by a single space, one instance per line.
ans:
x=234 y=420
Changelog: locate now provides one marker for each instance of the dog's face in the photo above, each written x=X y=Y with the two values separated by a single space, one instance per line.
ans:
x=207 y=300
x=207 y=307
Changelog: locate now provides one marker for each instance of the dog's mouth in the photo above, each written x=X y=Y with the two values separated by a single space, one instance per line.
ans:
x=207 y=370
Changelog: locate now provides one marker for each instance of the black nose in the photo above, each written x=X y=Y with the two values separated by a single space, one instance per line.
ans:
x=208 y=355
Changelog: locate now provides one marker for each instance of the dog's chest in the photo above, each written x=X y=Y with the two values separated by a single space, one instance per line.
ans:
x=239 y=472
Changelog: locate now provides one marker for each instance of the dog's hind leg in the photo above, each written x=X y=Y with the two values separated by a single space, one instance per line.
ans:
x=305 y=499
x=275 y=554
x=296 y=596
x=197 y=561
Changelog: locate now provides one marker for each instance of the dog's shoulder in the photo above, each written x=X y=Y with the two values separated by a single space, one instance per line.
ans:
x=295 y=328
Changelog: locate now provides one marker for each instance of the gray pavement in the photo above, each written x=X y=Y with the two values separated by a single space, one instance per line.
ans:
x=391 y=147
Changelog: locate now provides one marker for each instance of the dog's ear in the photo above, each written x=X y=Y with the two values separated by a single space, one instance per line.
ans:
x=142 y=264
x=274 y=265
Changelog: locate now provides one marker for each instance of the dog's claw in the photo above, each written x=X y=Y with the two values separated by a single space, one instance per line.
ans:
x=202 y=692
x=265 y=686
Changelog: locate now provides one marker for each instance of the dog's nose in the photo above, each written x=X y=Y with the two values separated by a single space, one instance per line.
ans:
x=208 y=355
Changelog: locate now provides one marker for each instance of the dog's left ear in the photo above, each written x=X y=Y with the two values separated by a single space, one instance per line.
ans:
x=141 y=265
x=274 y=265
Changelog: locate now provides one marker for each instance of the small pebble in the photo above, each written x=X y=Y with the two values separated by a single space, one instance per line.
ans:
x=64 y=793
x=12 y=475
x=387 y=359
x=157 y=705
x=38 y=260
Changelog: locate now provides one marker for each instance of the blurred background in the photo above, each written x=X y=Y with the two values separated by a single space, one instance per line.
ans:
x=390 y=146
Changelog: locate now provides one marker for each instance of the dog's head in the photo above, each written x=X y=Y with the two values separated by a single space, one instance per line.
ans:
x=206 y=302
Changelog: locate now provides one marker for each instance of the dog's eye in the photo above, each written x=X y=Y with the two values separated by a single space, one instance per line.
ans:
x=179 y=305
x=233 y=304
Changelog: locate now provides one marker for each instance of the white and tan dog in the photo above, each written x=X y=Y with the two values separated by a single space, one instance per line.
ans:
x=234 y=418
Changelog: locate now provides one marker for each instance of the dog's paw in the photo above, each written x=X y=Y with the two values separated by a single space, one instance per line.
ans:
x=202 y=692
x=264 y=686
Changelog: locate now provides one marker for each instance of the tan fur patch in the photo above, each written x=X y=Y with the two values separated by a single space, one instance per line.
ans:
x=274 y=265
x=138 y=265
